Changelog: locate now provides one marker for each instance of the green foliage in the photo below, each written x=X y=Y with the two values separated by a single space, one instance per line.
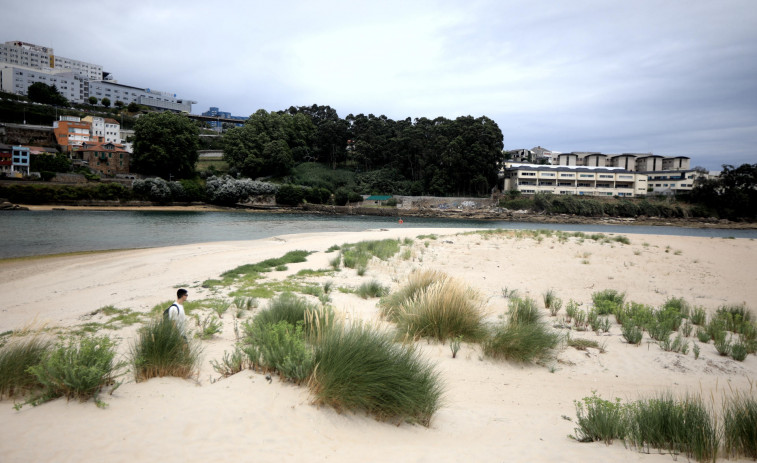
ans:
x=665 y=423
x=279 y=347
x=285 y=307
x=699 y=316
x=78 y=369
x=607 y=301
x=161 y=350
x=417 y=281
x=40 y=92
x=442 y=310
x=165 y=145
x=600 y=420
x=372 y=289
x=16 y=357
x=524 y=338
x=208 y=326
x=291 y=257
x=231 y=364
x=732 y=195
x=290 y=195
x=740 y=426
x=362 y=369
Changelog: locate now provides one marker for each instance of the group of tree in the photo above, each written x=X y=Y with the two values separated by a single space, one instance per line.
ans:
x=40 y=92
x=731 y=195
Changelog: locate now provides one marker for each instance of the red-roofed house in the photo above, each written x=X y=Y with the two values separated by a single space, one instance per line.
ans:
x=106 y=158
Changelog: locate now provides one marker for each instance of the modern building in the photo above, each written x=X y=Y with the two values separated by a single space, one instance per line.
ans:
x=218 y=124
x=22 y=64
x=674 y=181
x=573 y=180
x=20 y=161
x=106 y=158
x=71 y=131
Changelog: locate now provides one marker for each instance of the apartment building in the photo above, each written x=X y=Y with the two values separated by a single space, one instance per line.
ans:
x=71 y=131
x=106 y=158
x=22 y=64
x=674 y=181
x=103 y=129
x=573 y=180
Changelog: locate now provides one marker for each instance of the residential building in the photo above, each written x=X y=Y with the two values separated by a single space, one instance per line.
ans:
x=6 y=159
x=106 y=158
x=573 y=180
x=674 y=181
x=103 y=129
x=20 y=161
x=71 y=131
x=38 y=57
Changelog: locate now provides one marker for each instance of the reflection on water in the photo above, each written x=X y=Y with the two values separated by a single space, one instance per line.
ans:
x=28 y=233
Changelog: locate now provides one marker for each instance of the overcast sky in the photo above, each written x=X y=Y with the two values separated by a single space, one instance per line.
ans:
x=665 y=76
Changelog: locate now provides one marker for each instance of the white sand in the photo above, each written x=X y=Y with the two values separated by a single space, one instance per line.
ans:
x=493 y=411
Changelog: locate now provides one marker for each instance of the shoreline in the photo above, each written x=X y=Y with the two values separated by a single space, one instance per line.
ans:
x=494 y=214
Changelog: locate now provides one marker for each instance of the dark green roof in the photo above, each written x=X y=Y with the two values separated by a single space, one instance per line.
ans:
x=378 y=197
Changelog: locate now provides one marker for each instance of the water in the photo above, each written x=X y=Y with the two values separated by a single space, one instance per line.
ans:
x=30 y=233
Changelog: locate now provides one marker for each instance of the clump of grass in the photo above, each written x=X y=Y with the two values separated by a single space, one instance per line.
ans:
x=79 y=369
x=357 y=255
x=740 y=426
x=372 y=289
x=280 y=347
x=363 y=369
x=632 y=333
x=230 y=364
x=665 y=423
x=621 y=239
x=417 y=281
x=285 y=307
x=292 y=257
x=208 y=326
x=16 y=357
x=523 y=338
x=599 y=420
x=162 y=350
x=220 y=307
x=584 y=344
x=607 y=301
x=549 y=297
x=445 y=309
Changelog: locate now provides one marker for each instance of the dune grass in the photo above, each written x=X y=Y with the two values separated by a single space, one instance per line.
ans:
x=608 y=301
x=371 y=289
x=16 y=357
x=417 y=281
x=600 y=420
x=280 y=347
x=286 y=307
x=740 y=426
x=443 y=310
x=362 y=369
x=79 y=369
x=161 y=350
x=523 y=337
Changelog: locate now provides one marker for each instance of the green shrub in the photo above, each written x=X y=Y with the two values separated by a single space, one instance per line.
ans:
x=521 y=342
x=676 y=426
x=231 y=364
x=285 y=307
x=549 y=297
x=78 y=369
x=443 y=310
x=677 y=305
x=733 y=317
x=162 y=350
x=372 y=289
x=632 y=334
x=280 y=347
x=607 y=301
x=208 y=326
x=362 y=369
x=703 y=335
x=738 y=351
x=15 y=359
x=599 y=420
x=699 y=316
x=740 y=426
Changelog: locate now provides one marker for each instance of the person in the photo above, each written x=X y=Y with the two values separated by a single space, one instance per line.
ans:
x=176 y=311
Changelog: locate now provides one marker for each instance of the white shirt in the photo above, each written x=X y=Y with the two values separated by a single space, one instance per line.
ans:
x=178 y=316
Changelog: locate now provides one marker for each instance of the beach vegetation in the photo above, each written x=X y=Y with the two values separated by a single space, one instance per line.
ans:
x=16 y=356
x=279 y=347
x=77 y=369
x=549 y=296
x=361 y=368
x=607 y=301
x=417 y=281
x=703 y=336
x=740 y=426
x=372 y=288
x=632 y=333
x=600 y=420
x=208 y=326
x=231 y=363
x=286 y=307
x=523 y=337
x=161 y=349
x=442 y=310
x=584 y=344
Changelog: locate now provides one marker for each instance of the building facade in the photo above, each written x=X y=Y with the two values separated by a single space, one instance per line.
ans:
x=103 y=129
x=71 y=131
x=106 y=158
x=20 y=161
x=6 y=159
x=573 y=180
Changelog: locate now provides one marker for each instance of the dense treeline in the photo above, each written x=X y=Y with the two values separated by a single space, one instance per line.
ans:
x=612 y=207
x=732 y=195
x=438 y=157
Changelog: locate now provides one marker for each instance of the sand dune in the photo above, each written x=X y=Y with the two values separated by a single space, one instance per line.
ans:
x=493 y=411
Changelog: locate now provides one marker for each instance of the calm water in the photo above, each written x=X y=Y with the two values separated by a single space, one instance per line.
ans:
x=29 y=233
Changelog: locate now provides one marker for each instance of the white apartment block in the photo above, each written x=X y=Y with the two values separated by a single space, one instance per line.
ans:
x=104 y=130
x=22 y=64
x=573 y=180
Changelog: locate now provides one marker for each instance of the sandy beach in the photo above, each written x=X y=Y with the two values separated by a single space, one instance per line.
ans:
x=493 y=411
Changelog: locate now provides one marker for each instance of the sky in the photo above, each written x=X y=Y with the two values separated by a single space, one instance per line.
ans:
x=668 y=77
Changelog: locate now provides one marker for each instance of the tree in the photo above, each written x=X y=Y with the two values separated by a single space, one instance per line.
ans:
x=133 y=107
x=105 y=102
x=119 y=104
x=46 y=94
x=733 y=195
x=165 y=145
x=92 y=100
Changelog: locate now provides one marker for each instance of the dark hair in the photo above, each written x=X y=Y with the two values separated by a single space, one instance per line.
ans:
x=181 y=293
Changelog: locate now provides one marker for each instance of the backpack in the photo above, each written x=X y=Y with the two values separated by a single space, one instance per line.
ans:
x=167 y=312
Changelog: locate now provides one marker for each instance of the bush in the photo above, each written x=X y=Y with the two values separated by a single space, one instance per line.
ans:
x=443 y=310
x=154 y=189
x=280 y=347
x=290 y=195
x=362 y=369
x=524 y=338
x=285 y=307
x=161 y=350
x=740 y=426
x=601 y=420
x=632 y=334
x=78 y=369
x=228 y=190
x=15 y=359
x=607 y=301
